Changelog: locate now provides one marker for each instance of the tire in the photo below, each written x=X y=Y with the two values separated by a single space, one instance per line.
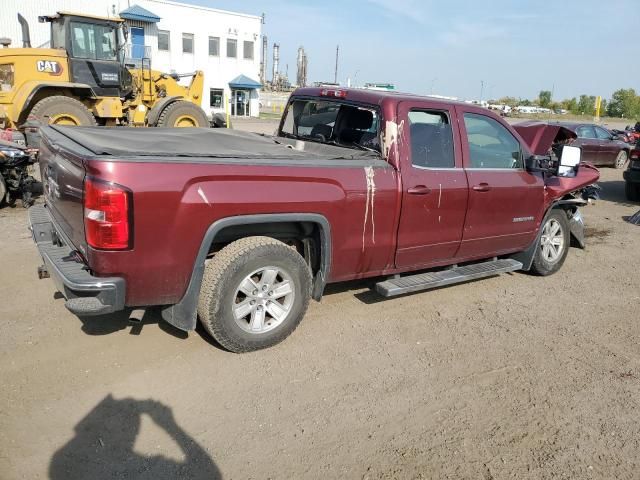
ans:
x=60 y=110
x=632 y=191
x=621 y=159
x=547 y=261
x=183 y=114
x=222 y=302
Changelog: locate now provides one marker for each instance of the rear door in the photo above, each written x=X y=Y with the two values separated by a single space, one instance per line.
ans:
x=588 y=141
x=434 y=185
x=505 y=201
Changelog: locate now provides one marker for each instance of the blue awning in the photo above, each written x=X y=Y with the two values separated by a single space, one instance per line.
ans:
x=136 y=12
x=242 y=81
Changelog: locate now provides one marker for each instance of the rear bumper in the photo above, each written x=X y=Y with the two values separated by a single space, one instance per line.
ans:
x=631 y=176
x=85 y=293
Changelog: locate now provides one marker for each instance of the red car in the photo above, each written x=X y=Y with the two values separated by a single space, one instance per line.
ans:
x=242 y=230
x=599 y=146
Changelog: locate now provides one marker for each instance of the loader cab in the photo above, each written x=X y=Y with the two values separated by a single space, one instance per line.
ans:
x=94 y=47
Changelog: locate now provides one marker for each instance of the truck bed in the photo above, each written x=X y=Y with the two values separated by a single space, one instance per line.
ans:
x=111 y=143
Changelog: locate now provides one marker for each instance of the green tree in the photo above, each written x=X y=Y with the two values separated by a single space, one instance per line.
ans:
x=587 y=105
x=511 y=101
x=624 y=103
x=544 y=98
x=570 y=104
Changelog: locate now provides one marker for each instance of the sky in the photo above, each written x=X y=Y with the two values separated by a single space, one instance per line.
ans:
x=461 y=48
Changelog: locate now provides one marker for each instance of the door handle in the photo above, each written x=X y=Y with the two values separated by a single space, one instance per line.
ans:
x=419 y=190
x=483 y=187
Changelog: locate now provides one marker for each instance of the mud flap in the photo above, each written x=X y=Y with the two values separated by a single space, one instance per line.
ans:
x=576 y=224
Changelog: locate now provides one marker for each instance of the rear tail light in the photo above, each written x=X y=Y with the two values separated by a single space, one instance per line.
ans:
x=635 y=154
x=107 y=209
x=333 y=93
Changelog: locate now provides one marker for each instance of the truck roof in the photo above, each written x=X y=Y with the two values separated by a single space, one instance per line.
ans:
x=374 y=96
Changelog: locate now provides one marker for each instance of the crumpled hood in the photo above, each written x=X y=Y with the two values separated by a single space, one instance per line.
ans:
x=541 y=136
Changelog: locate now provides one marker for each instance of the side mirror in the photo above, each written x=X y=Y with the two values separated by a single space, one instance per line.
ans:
x=539 y=163
x=569 y=161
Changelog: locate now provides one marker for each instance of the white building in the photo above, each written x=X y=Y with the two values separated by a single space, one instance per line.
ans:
x=176 y=37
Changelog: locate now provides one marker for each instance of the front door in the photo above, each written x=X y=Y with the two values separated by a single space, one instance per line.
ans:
x=588 y=142
x=434 y=186
x=137 y=42
x=93 y=57
x=505 y=201
x=608 y=148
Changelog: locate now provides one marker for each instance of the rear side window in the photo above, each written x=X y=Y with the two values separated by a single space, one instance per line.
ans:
x=491 y=145
x=431 y=139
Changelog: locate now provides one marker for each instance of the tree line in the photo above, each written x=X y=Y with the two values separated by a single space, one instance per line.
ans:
x=624 y=103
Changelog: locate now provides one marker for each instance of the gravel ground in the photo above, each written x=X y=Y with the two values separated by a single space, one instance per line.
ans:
x=511 y=377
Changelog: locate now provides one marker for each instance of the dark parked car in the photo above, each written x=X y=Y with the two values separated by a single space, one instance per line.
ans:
x=632 y=176
x=599 y=146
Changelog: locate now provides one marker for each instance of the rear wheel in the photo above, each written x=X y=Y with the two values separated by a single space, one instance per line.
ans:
x=254 y=294
x=632 y=191
x=183 y=114
x=60 y=110
x=621 y=159
x=553 y=245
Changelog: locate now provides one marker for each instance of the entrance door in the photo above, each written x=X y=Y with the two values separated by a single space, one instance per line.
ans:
x=137 y=42
x=434 y=186
x=505 y=201
x=240 y=103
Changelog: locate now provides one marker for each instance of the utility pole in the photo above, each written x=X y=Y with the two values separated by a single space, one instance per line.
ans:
x=481 y=89
x=335 y=76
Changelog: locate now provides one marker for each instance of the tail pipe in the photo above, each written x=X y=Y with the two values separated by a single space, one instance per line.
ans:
x=26 y=38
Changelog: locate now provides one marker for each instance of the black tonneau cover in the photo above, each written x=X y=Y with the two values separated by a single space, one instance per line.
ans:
x=131 y=142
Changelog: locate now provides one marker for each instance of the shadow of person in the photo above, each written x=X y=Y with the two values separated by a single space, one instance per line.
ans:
x=103 y=446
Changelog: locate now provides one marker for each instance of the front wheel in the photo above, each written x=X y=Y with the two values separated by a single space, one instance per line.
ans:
x=254 y=294
x=553 y=245
x=183 y=114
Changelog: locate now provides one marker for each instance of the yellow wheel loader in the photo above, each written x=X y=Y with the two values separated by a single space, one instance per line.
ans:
x=84 y=79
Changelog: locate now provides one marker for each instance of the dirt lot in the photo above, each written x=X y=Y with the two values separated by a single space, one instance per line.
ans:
x=511 y=377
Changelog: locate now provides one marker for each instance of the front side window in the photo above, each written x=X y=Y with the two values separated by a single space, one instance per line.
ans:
x=248 y=50
x=602 y=134
x=491 y=145
x=585 y=132
x=331 y=122
x=214 y=46
x=232 y=48
x=431 y=139
x=96 y=42
x=187 y=43
x=163 y=40
x=215 y=97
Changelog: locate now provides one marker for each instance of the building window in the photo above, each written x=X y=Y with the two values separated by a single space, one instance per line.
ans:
x=248 y=50
x=215 y=97
x=214 y=46
x=232 y=48
x=187 y=43
x=163 y=40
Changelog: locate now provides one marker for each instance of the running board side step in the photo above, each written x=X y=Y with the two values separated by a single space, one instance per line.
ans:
x=426 y=281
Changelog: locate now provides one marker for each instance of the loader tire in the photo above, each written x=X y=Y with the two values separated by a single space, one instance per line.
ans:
x=183 y=114
x=61 y=110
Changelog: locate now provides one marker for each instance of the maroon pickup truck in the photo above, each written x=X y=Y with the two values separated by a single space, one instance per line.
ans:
x=242 y=230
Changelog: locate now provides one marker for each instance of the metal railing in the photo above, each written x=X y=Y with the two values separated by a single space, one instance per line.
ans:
x=133 y=54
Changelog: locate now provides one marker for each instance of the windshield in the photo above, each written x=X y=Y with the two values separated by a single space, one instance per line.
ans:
x=332 y=122
x=97 y=42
